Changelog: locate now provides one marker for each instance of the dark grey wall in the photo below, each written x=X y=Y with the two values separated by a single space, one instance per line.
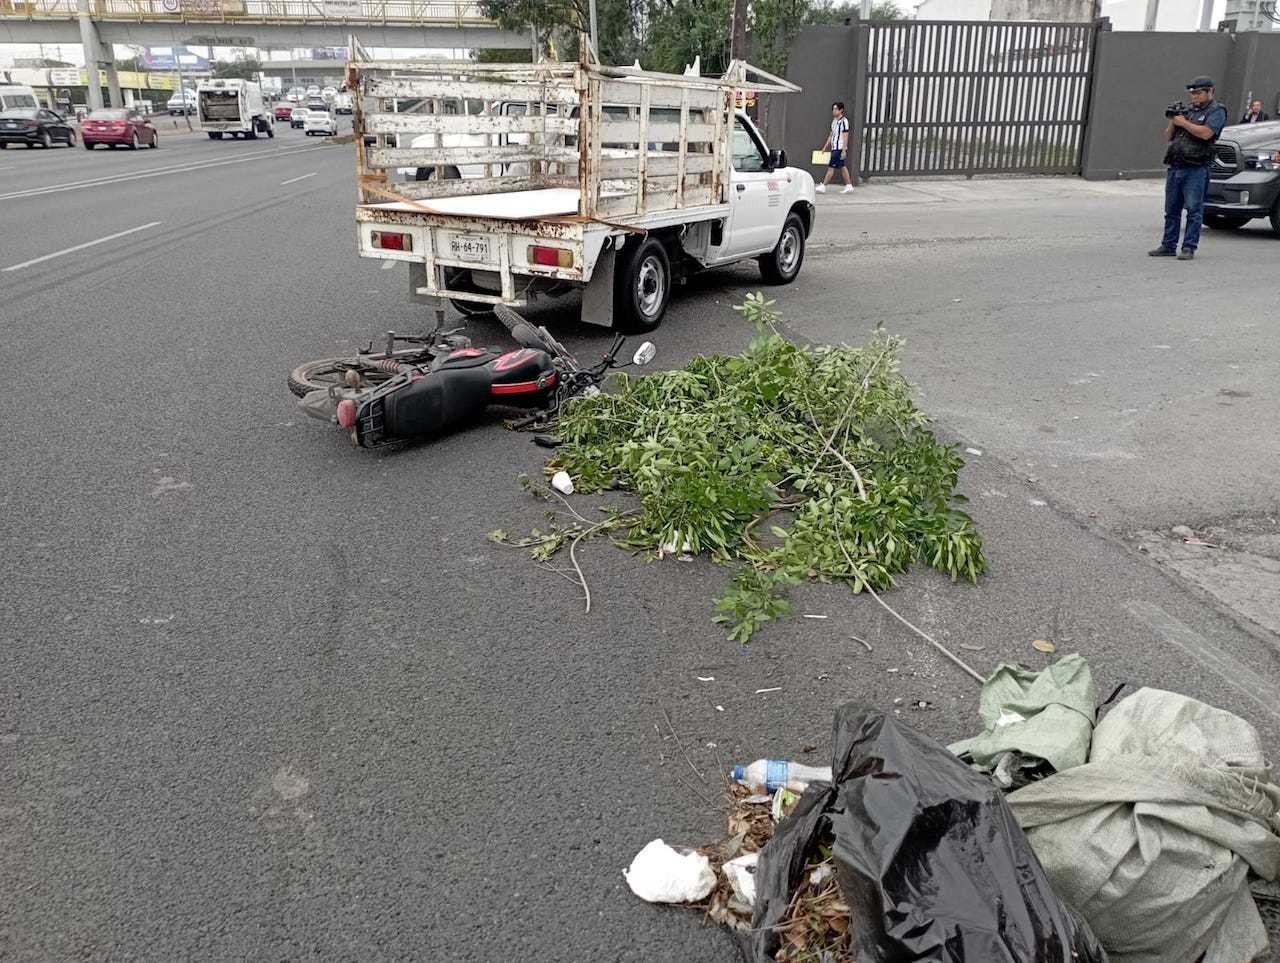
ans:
x=1137 y=74
x=821 y=63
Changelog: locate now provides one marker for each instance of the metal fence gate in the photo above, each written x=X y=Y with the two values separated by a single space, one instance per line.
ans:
x=966 y=97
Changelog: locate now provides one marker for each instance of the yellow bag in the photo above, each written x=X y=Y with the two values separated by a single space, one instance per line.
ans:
x=821 y=158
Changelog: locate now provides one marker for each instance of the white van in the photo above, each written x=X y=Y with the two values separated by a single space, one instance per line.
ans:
x=13 y=97
x=184 y=101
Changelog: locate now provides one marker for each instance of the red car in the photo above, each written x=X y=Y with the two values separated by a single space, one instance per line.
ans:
x=115 y=127
x=284 y=110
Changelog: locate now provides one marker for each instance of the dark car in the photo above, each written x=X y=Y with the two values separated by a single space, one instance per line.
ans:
x=118 y=128
x=35 y=125
x=1244 y=181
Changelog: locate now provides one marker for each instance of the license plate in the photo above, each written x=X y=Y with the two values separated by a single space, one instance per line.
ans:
x=470 y=247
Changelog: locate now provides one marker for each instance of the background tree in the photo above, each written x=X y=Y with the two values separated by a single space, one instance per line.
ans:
x=246 y=69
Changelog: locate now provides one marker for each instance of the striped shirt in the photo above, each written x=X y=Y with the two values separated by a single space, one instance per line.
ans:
x=838 y=126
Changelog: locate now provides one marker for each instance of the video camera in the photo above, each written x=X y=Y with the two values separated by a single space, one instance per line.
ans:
x=1177 y=109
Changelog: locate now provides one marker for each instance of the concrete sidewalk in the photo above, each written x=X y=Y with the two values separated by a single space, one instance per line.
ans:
x=994 y=190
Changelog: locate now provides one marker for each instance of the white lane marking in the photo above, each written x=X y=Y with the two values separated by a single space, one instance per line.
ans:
x=159 y=172
x=81 y=247
x=294 y=180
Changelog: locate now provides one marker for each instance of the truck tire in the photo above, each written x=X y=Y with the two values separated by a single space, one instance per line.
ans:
x=251 y=133
x=215 y=135
x=1225 y=222
x=1275 y=218
x=642 y=286
x=782 y=264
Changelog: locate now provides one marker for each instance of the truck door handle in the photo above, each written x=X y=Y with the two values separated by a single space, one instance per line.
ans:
x=740 y=187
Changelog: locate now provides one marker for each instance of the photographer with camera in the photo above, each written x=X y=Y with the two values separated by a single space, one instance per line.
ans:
x=1193 y=129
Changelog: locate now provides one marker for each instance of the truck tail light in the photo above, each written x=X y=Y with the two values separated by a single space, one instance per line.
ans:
x=550 y=256
x=391 y=241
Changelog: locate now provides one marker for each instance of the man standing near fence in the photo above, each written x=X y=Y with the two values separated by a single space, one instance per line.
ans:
x=838 y=144
x=1191 y=133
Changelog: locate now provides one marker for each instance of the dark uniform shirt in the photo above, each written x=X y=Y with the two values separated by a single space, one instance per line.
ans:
x=1188 y=150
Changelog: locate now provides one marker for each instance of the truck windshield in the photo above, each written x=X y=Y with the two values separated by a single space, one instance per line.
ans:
x=220 y=104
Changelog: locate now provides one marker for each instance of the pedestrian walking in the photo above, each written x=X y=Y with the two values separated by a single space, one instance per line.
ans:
x=1192 y=130
x=838 y=144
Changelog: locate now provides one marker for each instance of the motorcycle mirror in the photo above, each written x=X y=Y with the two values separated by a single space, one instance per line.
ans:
x=644 y=354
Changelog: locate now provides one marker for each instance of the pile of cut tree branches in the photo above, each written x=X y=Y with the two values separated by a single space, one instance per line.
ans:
x=787 y=461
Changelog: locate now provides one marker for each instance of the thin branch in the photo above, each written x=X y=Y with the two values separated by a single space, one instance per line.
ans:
x=666 y=715
x=920 y=632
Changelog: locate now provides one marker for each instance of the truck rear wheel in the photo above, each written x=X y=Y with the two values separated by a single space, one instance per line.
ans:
x=782 y=264
x=215 y=135
x=642 y=286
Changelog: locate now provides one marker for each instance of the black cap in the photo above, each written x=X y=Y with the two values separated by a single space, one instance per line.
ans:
x=1200 y=83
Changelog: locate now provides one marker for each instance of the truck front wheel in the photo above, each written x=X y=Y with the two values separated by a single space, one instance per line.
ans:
x=642 y=287
x=782 y=264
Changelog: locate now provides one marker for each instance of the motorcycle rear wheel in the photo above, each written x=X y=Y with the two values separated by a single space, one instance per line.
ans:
x=330 y=372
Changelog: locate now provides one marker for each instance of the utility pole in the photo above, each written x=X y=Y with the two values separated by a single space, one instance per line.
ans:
x=738 y=41
x=1153 y=11
x=864 y=11
x=182 y=88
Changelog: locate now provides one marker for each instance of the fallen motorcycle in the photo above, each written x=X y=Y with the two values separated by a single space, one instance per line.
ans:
x=421 y=387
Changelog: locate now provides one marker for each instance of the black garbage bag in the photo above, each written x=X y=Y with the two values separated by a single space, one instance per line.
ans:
x=929 y=857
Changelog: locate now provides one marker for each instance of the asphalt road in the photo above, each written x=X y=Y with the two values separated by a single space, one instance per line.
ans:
x=263 y=695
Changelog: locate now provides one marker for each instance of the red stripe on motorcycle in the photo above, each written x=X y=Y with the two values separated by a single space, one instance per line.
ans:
x=524 y=387
x=511 y=359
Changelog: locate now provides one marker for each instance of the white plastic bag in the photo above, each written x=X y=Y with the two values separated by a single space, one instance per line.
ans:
x=660 y=874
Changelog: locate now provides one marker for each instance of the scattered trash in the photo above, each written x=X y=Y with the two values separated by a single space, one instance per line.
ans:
x=774 y=774
x=562 y=483
x=923 y=704
x=705 y=678
x=783 y=799
x=1177 y=805
x=660 y=874
x=1198 y=541
x=719 y=708
x=892 y=669
x=741 y=874
x=808 y=747
x=816 y=616
x=776 y=688
x=1182 y=531
x=973 y=451
x=1044 y=645
x=1036 y=723
x=929 y=861
x=1037 y=502
x=865 y=644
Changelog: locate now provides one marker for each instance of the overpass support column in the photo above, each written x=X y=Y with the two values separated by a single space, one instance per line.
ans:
x=92 y=53
x=113 y=77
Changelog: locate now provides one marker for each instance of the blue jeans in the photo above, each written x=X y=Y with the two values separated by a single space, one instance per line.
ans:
x=1184 y=187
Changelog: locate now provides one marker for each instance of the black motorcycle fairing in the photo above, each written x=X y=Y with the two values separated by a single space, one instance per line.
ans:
x=457 y=392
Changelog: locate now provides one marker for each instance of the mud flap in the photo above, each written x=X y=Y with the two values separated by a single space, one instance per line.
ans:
x=597 y=296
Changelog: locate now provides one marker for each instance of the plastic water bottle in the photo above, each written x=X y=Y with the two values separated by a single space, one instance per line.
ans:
x=775 y=773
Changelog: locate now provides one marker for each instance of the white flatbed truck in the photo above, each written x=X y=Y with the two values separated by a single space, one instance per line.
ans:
x=553 y=176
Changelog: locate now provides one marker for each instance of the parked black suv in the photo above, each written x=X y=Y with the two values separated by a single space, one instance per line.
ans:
x=1244 y=181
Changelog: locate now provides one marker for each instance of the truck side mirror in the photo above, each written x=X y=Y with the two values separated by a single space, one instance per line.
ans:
x=777 y=158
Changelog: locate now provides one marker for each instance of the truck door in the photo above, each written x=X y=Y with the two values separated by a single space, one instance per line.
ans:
x=755 y=197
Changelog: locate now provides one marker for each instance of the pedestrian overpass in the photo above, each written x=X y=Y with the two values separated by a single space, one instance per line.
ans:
x=98 y=24
x=440 y=24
